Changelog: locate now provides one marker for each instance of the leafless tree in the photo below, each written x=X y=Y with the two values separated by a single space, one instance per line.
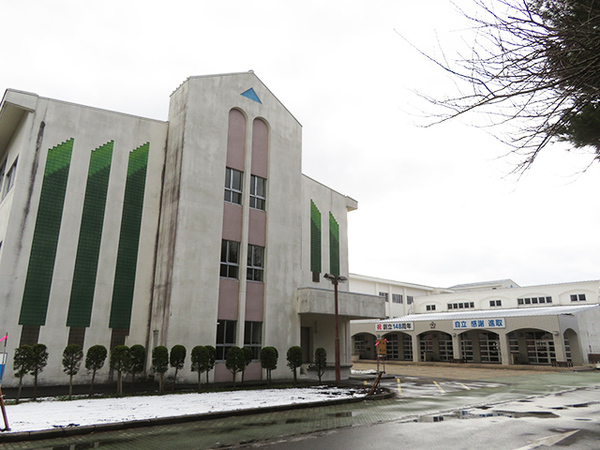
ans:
x=534 y=64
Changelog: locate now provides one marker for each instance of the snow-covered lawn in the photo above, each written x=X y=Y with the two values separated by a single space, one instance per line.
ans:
x=49 y=413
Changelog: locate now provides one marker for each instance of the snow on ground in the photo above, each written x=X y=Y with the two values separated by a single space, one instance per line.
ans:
x=49 y=413
x=363 y=372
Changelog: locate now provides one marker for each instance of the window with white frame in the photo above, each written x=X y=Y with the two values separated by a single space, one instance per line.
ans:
x=226 y=331
x=461 y=305
x=253 y=337
x=495 y=303
x=9 y=179
x=534 y=300
x=396 y=298
x=384 y=295
x=409 y=299
x=430 y=307
x=258 y=192
x=230 y=259
x=256 y=263
x=578 y=297
x=233 y=185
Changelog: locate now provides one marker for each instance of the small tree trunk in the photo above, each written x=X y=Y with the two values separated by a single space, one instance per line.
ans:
x=35 y=386
x=199 y=381
x=295 y=376
x=119 y=383
x=92 y=383
x=160 y=383
x=207 y=376
x=19 y=390
x=70 y=386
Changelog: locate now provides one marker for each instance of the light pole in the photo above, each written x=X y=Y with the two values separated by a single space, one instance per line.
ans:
x=335 y=280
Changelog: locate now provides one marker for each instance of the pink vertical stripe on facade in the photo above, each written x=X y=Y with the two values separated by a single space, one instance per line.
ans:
x=255 y=293
x=236 y=140
x=228 y=299
x=232 y=222
x=258 y=227
x=260 y=148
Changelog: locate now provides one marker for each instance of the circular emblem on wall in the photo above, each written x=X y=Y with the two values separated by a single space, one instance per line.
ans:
x=432 y=325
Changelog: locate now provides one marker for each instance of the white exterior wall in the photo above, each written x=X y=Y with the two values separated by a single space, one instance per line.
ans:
x=588 y=332
x=197 y=157
x=327 y=201
x=90 y=128
x=178 y=286
x=560 y=294
x=374 y=286
x=322 y=326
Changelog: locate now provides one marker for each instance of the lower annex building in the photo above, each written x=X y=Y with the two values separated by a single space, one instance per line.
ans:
x=199 y=230
x=497 y=322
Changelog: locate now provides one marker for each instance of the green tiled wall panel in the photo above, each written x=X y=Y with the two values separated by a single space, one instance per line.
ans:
x=90 y=235
x=45 y=237
x=334 y=245
x=315 y=238
x=129 y=239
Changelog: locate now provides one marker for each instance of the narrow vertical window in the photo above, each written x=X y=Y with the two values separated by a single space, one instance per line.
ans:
x=226 y=331
x=258 y=192
x=253 y=337
x=233 y=186
x=230 y=259
x=256 y=264
x=10 y=179
x=2 y=170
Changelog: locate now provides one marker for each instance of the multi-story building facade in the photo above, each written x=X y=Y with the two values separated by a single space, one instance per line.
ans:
x=493 y=322
x=199 y=230
x=399 y=296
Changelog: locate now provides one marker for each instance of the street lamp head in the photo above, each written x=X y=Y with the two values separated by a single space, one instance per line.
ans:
x=335 y=279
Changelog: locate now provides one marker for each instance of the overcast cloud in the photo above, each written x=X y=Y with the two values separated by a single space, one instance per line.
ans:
x=435 y=206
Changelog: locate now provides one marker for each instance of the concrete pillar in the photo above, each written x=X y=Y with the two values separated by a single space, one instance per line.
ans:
x=559 y=346
x=416 y=348
x=456 y=353
x=504 y=349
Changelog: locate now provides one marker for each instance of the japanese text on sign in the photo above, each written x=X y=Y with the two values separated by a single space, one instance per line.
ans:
x=394 y=326
x=479 y=323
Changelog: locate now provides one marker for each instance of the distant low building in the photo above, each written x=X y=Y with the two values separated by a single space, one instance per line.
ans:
x=494 y=322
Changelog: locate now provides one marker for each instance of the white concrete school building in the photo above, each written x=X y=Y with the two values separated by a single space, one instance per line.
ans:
x=495 y=322
x=198 y=230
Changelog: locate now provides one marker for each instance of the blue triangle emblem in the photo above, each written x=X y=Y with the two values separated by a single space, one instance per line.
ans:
x=251 y=95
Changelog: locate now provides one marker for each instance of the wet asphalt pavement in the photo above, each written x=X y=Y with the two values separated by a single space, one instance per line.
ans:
x=494 y=409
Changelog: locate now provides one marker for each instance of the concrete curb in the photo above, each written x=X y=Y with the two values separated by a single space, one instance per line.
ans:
x=61 y=432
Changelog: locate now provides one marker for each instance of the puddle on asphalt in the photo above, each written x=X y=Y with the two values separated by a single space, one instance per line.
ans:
x=583 y=405
x=295 y=420
x=475 y=415
x=342 y=414
x=260 y=424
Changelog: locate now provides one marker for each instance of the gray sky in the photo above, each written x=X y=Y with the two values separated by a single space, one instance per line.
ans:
x=435 y=206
